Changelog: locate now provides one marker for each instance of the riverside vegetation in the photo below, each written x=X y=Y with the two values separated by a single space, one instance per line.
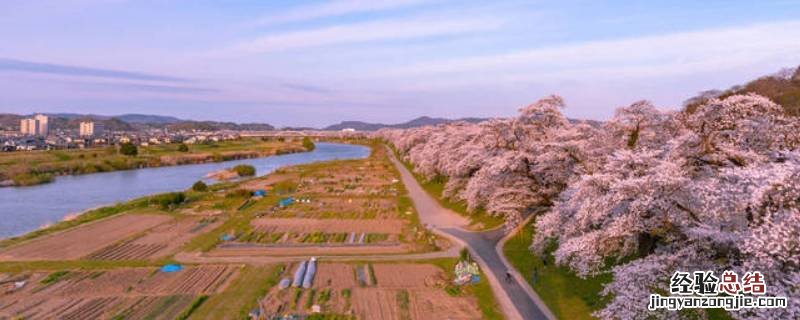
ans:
x=37 y=167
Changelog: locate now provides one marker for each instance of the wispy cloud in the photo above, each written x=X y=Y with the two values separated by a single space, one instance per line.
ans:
x=305 y=88
x=381 y=30
x=65 y=70
x=656 y=55
x=149 y=88
x=334 y=9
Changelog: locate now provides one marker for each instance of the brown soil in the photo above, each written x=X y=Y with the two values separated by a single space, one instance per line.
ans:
x=408 y=275
x=163 y=240
x=334 y=275
x=191 y=280
x=224 y=174
x=83 y=240
x=437 y=304
x=138 y=293
x=426 y=300
x=323 y=250
x=342 y=208
x=375 y=303
x=389 y=226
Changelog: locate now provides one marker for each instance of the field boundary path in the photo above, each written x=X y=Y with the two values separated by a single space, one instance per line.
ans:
x=515 y=300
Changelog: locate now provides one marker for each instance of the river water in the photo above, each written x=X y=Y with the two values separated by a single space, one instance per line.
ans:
x=24 y=209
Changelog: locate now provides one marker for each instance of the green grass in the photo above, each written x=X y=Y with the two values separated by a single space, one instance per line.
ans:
x=567 y=295
x=324 y=296
x=242 y=295
x=403 y=303
x=310 y=298
x=195 y=304
x=54 y=277
x=22 y=266
x=296 y=294
x=162 y=307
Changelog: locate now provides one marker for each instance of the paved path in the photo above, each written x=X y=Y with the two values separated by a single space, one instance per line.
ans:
x=515 y=300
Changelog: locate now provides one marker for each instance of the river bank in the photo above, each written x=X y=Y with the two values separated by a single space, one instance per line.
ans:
x=40 y=167
x=24 y=209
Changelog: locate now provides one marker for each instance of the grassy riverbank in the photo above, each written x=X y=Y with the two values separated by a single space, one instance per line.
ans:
x=37 y=167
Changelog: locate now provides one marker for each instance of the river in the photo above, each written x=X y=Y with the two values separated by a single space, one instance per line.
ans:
x=24 y=209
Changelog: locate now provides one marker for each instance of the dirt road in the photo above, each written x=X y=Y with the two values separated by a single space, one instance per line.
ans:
x=516 y=302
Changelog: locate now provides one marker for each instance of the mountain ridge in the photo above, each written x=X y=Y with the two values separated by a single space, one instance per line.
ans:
x=416 y=122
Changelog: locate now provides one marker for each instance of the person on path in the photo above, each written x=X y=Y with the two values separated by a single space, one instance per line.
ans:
x=508 y=276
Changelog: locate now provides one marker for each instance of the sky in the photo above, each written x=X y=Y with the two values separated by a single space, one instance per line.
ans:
x=315 y=63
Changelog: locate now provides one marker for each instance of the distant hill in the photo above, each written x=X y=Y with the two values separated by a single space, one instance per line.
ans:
x=782 y=87
x=130 y=122
x=147 y=119
x=418 y=122
x=214 y=126
x=9 y=121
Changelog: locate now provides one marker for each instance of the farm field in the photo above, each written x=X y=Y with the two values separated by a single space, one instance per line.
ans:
x=374 y=291
x=131 y=293
x=110 y=265
x=306 y=213
x=158 y=242
x=83 y=240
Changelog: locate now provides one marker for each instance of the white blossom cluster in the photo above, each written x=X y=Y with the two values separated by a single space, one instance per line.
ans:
x=643 y=195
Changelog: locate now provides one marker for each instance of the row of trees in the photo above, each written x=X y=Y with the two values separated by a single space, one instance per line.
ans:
x=642 y=195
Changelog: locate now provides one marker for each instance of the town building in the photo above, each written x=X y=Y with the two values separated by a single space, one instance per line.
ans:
x=28 y=127
x=90 y=129
x=36 y=126
x=44 y=127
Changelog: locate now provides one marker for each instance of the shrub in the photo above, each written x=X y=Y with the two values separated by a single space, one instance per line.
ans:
x=245 y=170
x=308 y=144
x=200 y=186
x=183 y=147
x=195 y=304
x=128 y=149
x=238 y=193
x=168 y=200
x=54 y=277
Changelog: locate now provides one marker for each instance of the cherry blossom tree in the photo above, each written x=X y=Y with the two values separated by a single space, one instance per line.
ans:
x=644 y=195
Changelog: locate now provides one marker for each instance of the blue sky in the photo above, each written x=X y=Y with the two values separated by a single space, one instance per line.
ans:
x=313 y=63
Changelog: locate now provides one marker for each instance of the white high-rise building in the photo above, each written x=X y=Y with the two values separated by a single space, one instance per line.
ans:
x=36 y=126
x=90 y=128
x=29 y=127
x=44 y=128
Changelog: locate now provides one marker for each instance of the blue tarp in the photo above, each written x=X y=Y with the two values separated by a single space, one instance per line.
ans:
x=260 y=193
x=226 y=237
x=171 y=268
x=285 y=202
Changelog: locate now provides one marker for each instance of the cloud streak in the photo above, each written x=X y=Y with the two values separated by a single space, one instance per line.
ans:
x=305 y=88
x=335 y=9
x=372 y=31
x=65 y=70
x=657 y=55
